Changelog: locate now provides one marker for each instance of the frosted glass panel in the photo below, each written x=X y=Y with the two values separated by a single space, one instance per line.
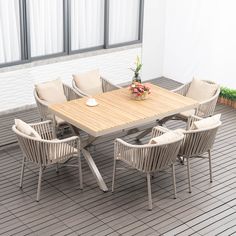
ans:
x=87 y=23
x=46 y=27
x=123 y=21
x=10 y=42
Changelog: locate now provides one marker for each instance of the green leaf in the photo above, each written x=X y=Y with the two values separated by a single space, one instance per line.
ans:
x=228 y=93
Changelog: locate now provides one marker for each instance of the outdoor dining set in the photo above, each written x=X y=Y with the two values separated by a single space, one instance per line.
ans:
x=95 y=106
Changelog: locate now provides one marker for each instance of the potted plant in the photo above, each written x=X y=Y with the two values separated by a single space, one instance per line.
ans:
x=136 y=70
x=227 y=97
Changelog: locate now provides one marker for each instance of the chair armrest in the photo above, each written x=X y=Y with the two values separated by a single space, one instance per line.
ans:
x=65 y=140
x=123 y=143
x=158 y=130
x=120 y=142
x=108 y=86
x=182 y=89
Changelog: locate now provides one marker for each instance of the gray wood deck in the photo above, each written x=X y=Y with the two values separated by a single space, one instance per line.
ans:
x=64 y=209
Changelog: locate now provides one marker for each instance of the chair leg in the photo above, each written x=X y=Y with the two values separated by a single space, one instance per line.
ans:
x=189 y=174
x=39 y=183
x=149 y=192
x=22 y=172
x=80 y=173
x=210 y=166
x=114 y=176
x=173 y=179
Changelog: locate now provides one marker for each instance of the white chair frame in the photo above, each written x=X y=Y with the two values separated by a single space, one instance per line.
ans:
x=149 y=158
x=41 y=151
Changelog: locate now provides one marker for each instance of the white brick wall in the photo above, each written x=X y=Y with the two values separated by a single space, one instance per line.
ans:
x=16 y=87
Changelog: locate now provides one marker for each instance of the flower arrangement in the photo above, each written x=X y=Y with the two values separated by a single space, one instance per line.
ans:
x=136 y=70
x=139 y=91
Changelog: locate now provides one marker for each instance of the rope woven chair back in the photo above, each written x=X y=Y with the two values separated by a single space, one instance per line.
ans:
x=46 y=131
x=205 y=108
x=199 y=141
x=208 y=109
x=42 y=151
x=106 y=87
x=149 y=158
x=46 y=151
x=70 y=93
x=42 y=105
x=42 y=112
x=29 y=146
x=211 y=82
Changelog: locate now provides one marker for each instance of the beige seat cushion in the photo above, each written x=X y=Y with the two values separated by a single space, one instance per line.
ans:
x=89 y=82
x=26 y=129
x=51 y=92
x=207 y=122
x=171 y=136
x=201 y=90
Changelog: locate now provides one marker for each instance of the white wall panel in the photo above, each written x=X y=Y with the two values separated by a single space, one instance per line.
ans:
x=200 y=41
x=16 y=87
x=153 y=39
x=187 y=38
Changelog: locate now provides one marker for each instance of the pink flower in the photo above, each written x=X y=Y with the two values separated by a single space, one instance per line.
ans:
x=138 y=89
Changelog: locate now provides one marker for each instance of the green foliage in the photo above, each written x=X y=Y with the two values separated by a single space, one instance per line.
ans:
x=138 y=67
x=228 y=93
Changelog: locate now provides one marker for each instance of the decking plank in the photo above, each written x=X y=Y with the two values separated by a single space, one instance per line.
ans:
x=64 y=209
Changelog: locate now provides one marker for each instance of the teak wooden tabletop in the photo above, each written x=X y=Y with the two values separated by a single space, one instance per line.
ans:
x=117 y=111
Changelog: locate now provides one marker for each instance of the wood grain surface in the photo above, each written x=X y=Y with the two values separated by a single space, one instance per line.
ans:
x=116 y=110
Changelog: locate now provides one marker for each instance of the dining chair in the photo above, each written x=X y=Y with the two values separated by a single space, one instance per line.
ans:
x=198 y=141
x=91 y=83
x=40 y=146
x=53 y=92
x=205 y=92
x=159 y=154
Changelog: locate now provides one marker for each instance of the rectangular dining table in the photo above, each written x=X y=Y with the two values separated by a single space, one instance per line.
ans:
x=117 y=111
